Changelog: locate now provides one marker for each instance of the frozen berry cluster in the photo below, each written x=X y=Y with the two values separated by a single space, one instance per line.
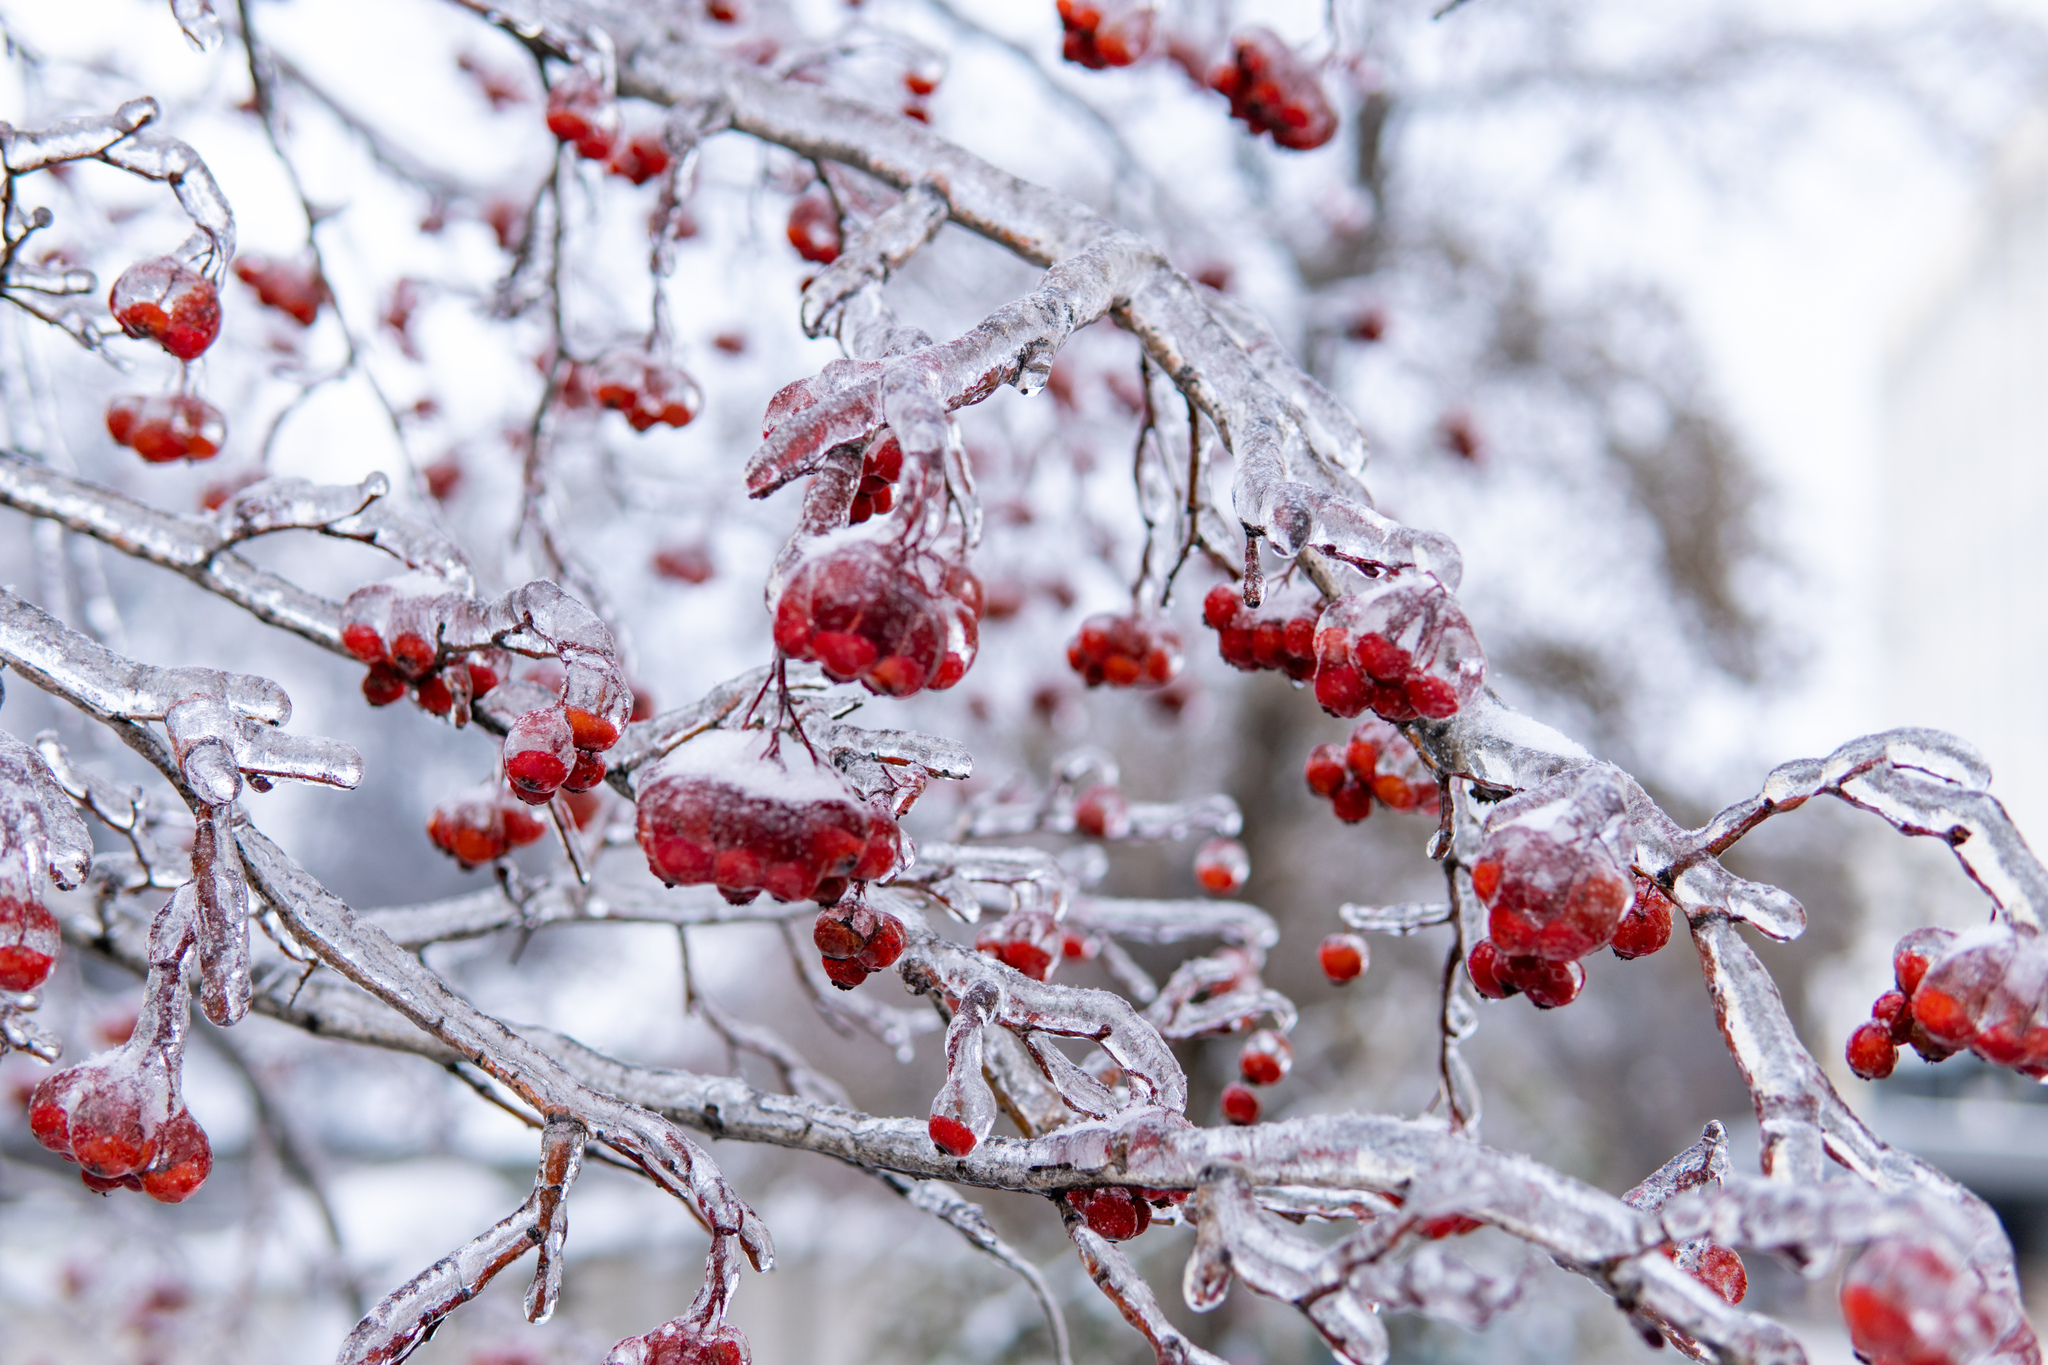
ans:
x=293 y=288
x=169 y=303
x=643 y=387
x=717 y=811
x=1029 y=940
x=895 y=619
x=1282 y=640
x=1265 y=1059
x=814 y=228
x=856 y=941
x=164 y=427
x=29 y=936
x=121 y=1119
x=1104 y=33
x=582 y=112
x=1985 y=991
x=880 y=466
x=1377 y=764
x=482 y=826
x=1125 y=651
x=1918 y=1301
x=1274 y=91
x=1553 y=872
x=394 y=627
x=1401 y=647
x=1117 y=1213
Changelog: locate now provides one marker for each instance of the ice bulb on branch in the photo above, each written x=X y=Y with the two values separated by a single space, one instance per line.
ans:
x=482 y=826
x=1274 y=91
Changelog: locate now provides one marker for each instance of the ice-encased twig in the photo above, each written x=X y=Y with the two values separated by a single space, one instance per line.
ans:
x=874 y=253
x=41 y=832
x=363 y=954
x=359 y=512
x=561 y=1159
x=1409 y=917
x=404 y=1319
x=187 y=545
x=1123 y=1286
x=966 y=1218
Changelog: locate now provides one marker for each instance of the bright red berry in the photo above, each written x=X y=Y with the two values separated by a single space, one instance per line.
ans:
x=1484 y=964
x=951 y=1136
x=1240 y=1105
x=1872 y=1053
x=1646 y=926
x=814 y=229
x=1125 y=651
x=184 y=1158
x=1550 y=867
x=647 y=390
x=1401 y=647
x=164 y=427
x=640 y=158
x=582 y=111
x=896 y=620
x=1344 y=957
x=1917 y=1302
x=1221 y=866
x=1266 y=1059
x=1103 y=812
x=1325 y=769
x=540 y=751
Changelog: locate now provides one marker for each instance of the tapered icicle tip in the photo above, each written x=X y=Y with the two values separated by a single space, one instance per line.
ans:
x=951 y=1136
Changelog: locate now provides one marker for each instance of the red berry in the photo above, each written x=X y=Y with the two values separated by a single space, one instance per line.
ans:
x=1484 y=965
x=1221 y=606
x=1872 y=1053
x=1917 y=1302
x=1274 y=91
x=1548 y=984
x=1550 y=870
x=174 y=306
x=1646 y=926
x=1448 y=1225
x=845 y=973
x=685 y=564
x=1352 y=802
x=1240 y=1105
x=383 y=685
x=1344 y=957
x=1266 y=1059
x=640 y=158
x=582 y=111
x=951 y=1136
x=1916 y=952
x=895 y=619
x=1221 y=866
x=540 y=751
x=29 y=940
x=1325 y=769
x=1116 y=1214
x=1102 y=813
x=184 y=1159
x=1126 y=651
x=814 y=229
x=1720 y=1269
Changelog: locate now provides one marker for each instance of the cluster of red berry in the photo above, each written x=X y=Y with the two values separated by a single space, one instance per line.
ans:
x=716 y=812
x=163 y=427
x=646 y=389
x=1918 y=1301
x=1553 y=873
x=856 y=941
x=121 y=1120
x=1103 y=33
x=1377 y=764
x=1402 y=647
x=814 y=228
x=394 y=631
x=555 y=748
x=681 y=1343
x=880 y=466
x=1266 y=1059
x=29 y=936
x=582 y=111
x=894 y=618
x=1221 y=866
x=1282 y=640
x=1985 y=991
x=168 y=303
x=481 y=827
x=691 y=563
x=294 y=288
x=1274 y=91
x=1126 y=651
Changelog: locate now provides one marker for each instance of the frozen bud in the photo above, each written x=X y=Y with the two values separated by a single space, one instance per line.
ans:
x=894 y=619
x=1103 y=812
x=1240 y=1105
x=1552 y=867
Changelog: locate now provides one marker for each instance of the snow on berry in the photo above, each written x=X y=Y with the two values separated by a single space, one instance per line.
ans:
x=169 y=303
x=1343 y=957
x=1401 y=647
x=646 y=389
x=1240 y=1105
x=717 y=810
x=1871 y=1053
x=1274 y=91
x=895 y=619
x=582 y=111
x=1266 y=1059
x=1103 y=33
x=1125 y=651
x=1280 y=638
x=164 y=427
x=1552 y=867
x=1221 y=866
x=1916 y=1301
x=481 y=826
x=814 y=228
x=1646 y=926
x=539 y=754
x=294 y=288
